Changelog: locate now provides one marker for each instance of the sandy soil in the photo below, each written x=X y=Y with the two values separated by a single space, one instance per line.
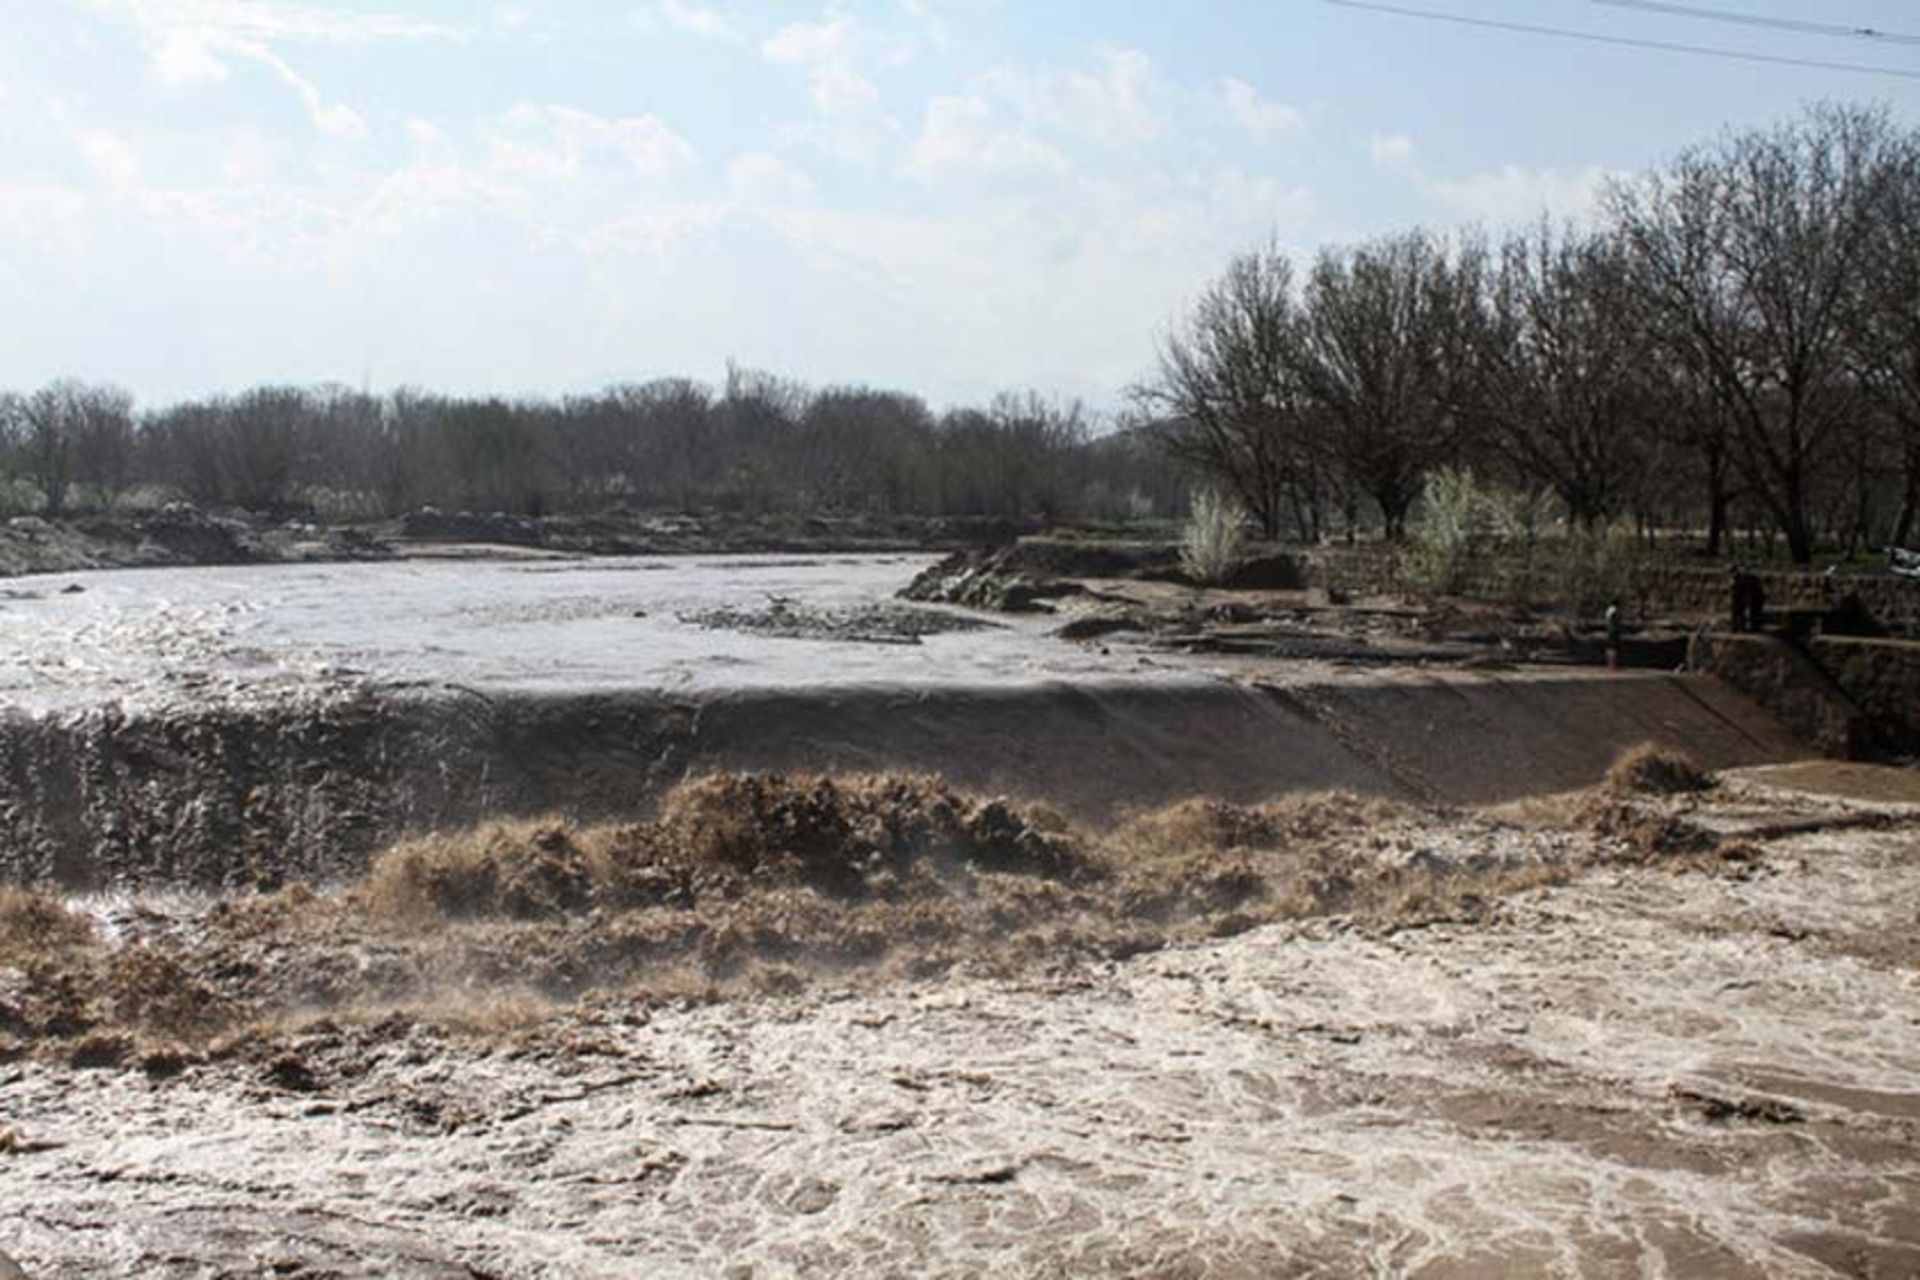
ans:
x=1700 y=1067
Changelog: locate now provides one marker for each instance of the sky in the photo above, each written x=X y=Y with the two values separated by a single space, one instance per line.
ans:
x=949 y=197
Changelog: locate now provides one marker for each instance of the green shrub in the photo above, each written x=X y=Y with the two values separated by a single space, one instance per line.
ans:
x=1455 y=518
x=1215 y=533
x=1597 y=566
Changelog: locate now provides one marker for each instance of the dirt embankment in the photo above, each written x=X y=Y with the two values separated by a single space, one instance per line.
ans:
x=879 y=1027
x=177 y=535
x=184 y=535
x=1276 y=603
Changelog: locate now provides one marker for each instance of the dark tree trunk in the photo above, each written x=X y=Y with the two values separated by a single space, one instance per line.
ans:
x=1909 y=499
x=1716 y=511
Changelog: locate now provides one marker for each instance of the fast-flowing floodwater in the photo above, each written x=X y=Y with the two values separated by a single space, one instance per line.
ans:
x=695 y=624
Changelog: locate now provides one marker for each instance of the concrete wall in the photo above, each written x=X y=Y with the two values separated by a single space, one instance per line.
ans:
x=1655 y=590
x=1882 y=678
x=1847 y=696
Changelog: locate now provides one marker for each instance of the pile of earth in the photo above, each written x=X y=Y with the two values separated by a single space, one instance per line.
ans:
x=620 y=531
x=1021 y=576
x=182 y=534
x=861 y=624
x=175 y=535
x=1024 y=575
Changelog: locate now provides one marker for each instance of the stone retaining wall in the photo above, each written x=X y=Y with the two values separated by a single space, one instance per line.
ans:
x=1651 y=590
x=1882 y=677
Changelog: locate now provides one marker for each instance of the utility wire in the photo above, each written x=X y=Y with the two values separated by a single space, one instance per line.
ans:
x=1757 y=20
x=1665 y=46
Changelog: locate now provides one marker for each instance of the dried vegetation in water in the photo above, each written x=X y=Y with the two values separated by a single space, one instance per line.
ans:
x=1655 y=770
x=759 y=883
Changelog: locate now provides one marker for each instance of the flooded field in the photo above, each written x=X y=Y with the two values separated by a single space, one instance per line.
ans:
x=552 y=626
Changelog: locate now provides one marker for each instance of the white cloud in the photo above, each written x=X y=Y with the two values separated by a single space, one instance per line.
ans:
x=694 y=19
x=1511 y=194
x=1263 y=118
x=192 y=43
x=110 y=157
x=1390 y=150
x=426 y=135
x=960 y=137
x=1115 y=105
x=551 y=141
x=838 y=88
x=274 y=21
x=761 y=175
x=810 y=43
x=512 y=17
x=183 y=59
x=652 y=232
x=249 y=155
x=825 y=50
x=334 y=119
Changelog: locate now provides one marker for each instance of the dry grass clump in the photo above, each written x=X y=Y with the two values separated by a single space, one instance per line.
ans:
x=1649 y=769
x=1199 y=858
x=36 y=926
x=521 y=870
x=156 y=992
x=848 y=837
x=746 y=884
x=1211 y=826
x=97 y=1004
x=721 y=837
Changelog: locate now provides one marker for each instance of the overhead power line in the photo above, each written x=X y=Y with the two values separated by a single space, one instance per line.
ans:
x=1800 y=26
x=1592 y=37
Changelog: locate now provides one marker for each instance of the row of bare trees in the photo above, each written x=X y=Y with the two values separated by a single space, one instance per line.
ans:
x=759 y=444
x=1738 y=336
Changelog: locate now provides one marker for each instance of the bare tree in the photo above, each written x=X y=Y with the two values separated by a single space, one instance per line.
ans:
x=13 y=434
x=1227 y=398
x=100 y=421
x=1886 y=327
x=854 y=448
x=1752 y=253
x=1386 y=328
x=1560 y=364
x=48 y=419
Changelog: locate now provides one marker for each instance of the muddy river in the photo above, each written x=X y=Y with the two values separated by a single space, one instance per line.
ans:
x=690 y=624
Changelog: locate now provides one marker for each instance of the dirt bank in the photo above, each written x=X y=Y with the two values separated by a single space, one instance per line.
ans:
x=1669 y=1057
x=184 y=535
x=1275 y=604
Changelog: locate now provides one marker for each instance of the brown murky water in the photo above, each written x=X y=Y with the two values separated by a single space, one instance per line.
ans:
x=1684 y=1068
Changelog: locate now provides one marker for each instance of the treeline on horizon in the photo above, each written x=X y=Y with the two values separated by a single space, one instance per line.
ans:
x=758 y=445
x=1733 y=343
